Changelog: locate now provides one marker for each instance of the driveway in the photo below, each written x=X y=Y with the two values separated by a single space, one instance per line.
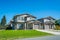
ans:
x=55 y=32
x=57 y=37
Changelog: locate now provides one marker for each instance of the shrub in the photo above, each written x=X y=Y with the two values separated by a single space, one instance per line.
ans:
x=57 y=27
x=9 y=27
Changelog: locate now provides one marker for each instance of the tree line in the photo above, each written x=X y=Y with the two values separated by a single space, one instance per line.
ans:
x=3 y=23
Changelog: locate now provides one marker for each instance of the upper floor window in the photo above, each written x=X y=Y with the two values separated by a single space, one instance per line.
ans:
x=20 y=18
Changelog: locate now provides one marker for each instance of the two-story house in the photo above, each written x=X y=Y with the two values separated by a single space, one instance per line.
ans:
x=47 y=23
x=25 y=21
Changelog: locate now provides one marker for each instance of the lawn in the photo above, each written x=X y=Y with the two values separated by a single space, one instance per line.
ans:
x=12 y=34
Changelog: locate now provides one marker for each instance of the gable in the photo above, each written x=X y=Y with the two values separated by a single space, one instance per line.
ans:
x=24 y=15
x=49 y=18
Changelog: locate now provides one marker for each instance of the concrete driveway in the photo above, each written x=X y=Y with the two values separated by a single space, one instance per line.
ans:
x=57 y=37
x=50 y=31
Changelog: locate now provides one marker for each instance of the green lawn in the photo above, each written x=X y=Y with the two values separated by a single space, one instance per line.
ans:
x=11 y=34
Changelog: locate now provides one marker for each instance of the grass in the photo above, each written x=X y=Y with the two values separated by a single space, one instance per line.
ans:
x=11 y=34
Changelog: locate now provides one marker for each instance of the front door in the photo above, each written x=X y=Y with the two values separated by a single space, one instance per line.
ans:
x=20 y=26
x=30 y=26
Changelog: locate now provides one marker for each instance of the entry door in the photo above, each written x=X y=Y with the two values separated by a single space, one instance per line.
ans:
x=20 y=26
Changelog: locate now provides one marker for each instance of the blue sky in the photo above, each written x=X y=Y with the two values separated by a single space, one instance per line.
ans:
x=38 y=8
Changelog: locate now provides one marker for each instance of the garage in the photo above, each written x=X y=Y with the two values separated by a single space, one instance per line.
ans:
x=36 y=26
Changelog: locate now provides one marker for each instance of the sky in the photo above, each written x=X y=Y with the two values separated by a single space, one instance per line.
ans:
x=38 y=8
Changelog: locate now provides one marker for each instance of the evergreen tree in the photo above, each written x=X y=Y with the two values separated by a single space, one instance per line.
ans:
x=0 y=24
x=3 y=21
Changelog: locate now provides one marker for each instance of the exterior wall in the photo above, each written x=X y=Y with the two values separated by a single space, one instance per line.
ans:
x=18 y=19
x=46 y=20
x=49 y=27
x=49 y=20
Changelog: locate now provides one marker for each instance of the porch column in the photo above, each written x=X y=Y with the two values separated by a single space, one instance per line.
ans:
x=25 y=26
x=33 y=26
x=54 y=26
x=39 y=26
x=17 y=27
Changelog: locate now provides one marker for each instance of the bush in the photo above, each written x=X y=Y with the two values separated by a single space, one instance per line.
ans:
x=9 y=27
x=57 y=27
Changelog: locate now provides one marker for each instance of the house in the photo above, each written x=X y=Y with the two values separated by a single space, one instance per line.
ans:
x=27 y=21
x=24 y=21
x=48 y=23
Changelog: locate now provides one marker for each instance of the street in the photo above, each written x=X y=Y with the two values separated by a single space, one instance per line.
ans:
x=57 y=37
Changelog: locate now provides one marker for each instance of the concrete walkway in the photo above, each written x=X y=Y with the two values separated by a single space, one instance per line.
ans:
x=48 y=31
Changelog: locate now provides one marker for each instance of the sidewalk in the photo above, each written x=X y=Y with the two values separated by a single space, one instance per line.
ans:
x=48 y=31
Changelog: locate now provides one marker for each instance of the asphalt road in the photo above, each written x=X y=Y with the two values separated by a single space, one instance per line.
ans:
x=57 y=37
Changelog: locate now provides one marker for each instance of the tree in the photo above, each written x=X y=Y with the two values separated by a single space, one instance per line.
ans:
x=0 y=24
x=3 y=21
x=57 y=22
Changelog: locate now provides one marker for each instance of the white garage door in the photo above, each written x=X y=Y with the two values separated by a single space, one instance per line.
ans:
x=36 y=26
x=46 y=27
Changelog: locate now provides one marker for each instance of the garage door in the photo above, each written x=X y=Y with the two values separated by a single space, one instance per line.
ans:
x=46 y=27
x=36 y=26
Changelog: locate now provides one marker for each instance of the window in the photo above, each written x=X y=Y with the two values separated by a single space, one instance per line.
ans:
x=21 y=18
x=18 y=18
x=30 y=17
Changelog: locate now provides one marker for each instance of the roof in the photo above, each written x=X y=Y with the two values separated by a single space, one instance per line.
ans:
x=24 y=14
x=48 y=22
x=49 y=17
x=35 y=22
